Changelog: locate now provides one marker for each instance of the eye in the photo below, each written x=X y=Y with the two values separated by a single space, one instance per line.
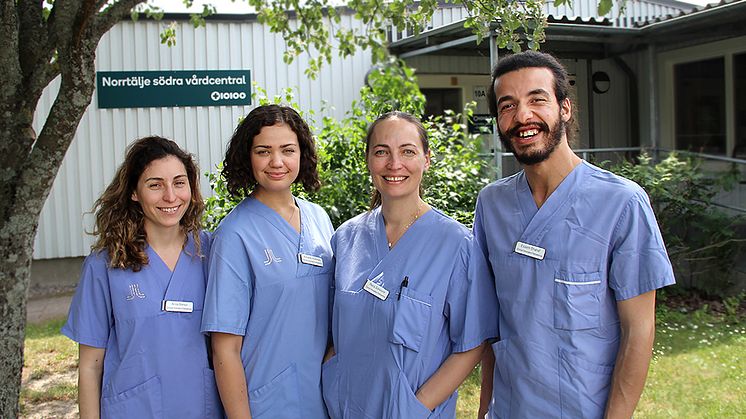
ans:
x=507 y=106
x=380 y=152
x=180 y=183
x=154 y=186
x=409 y=152
x=289 y=151
x=261 y=152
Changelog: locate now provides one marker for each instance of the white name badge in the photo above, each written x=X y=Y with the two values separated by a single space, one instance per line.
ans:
x=375 y=289
x=530 y=250
x=310 y=260
x=177 y=306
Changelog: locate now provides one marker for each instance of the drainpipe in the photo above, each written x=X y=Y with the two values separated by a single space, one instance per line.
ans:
x=496 y=145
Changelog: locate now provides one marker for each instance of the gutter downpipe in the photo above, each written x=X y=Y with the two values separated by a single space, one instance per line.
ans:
x=653 y=92
x=496 y=145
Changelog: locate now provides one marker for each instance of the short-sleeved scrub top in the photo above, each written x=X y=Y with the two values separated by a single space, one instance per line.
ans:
x=156 y=361
x=271 y=285
x=559 y=271
x=391 y=335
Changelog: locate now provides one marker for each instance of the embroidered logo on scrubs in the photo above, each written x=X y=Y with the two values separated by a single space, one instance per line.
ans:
x=271 y=257
x=135 y=292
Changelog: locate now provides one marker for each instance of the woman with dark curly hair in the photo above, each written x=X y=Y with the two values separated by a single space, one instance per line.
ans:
x=137 y=309
x=270 y=273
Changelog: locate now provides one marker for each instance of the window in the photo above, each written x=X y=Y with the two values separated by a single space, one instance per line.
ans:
x=438 y=100
x=700 y=106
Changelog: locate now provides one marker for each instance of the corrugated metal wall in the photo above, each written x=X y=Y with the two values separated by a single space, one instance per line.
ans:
x=634 y=12
x=103 y=134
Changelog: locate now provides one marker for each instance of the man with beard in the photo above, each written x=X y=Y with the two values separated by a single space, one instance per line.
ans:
x=575 y=254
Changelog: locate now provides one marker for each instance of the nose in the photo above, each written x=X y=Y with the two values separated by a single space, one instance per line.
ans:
x=169 y=195
x=275 y=160
x=523 y=113
x=394 y=161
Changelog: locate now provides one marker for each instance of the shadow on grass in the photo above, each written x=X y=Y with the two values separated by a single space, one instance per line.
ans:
x=44 y=330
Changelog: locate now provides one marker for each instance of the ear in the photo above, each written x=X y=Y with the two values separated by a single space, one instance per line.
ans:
x=566 y=109
x=427 y=160
x=134 y=196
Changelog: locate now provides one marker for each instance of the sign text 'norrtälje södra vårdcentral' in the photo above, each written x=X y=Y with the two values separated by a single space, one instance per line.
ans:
x=142 y=89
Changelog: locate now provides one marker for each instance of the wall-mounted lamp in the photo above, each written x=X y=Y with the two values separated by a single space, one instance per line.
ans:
x=600 y=82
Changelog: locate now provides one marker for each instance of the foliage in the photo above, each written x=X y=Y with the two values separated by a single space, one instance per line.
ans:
x=700 y=238
x=321 y=26
x=451 y=185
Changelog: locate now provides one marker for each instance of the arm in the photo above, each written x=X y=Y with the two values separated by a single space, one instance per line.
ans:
x=90 y=371
x=439 y=387
x=488 y=367
x=637 y=321
x=229 y=373
x=330 y=352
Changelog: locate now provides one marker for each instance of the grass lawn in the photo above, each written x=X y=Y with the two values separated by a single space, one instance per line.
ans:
x=698 y=370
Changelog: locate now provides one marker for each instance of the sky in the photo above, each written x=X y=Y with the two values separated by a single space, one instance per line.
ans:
x=242 y=7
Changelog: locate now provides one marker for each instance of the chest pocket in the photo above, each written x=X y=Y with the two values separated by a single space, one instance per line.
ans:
x=411 y=318
x=576 y=300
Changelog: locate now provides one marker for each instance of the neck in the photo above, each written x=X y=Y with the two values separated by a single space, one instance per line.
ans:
x=400 y=212
x=545 y=177
x=275 y=200
x=161 y=238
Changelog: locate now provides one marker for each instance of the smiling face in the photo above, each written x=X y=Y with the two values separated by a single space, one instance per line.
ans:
x=164 y=193
x=530 y=121
x=396 y=159
x=275 y=158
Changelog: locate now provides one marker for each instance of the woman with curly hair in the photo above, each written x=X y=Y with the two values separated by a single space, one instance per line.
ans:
x=270 y=271
x=137 y=309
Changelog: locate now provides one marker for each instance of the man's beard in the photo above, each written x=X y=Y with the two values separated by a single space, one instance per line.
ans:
x=529 y=158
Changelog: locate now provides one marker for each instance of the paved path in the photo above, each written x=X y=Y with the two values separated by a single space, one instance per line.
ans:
x=40 y=310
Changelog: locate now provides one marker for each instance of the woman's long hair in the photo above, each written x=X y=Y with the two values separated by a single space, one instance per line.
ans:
x=120 y=221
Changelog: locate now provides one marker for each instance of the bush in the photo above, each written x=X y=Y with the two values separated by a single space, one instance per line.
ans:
x=455 y=177
x=700 y=238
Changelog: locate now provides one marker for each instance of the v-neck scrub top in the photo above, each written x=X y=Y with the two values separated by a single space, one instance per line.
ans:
x=156 y=362
x=386 y=349
x=271 y=285
x=558 y=321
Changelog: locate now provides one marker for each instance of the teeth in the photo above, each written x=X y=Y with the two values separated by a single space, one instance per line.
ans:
x=394 y=178
x=169 y=210
x=528 y=133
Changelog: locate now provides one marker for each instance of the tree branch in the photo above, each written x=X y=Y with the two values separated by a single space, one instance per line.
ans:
x=113 y=15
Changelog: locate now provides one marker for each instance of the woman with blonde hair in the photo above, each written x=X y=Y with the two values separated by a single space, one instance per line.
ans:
x=408 y=323
x=137 y=309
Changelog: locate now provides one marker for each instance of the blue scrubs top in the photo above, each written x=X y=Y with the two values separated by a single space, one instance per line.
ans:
x=156 y=362
x=386 y=349
x=271 y=285
x=558 y=321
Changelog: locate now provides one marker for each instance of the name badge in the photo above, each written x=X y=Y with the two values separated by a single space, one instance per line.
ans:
x=378 y=291
x=530 y=250
x=310 y=260
x=177 y=306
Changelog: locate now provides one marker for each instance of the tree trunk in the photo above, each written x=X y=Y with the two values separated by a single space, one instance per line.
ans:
x=30 y=182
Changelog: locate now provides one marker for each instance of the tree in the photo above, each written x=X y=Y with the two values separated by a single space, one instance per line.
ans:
x=58 y=38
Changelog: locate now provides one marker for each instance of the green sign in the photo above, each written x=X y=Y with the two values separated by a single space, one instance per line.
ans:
x=148 y=89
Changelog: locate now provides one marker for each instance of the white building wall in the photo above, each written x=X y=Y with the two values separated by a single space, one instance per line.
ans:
x=103 y=134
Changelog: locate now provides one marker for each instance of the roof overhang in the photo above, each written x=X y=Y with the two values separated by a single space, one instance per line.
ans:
x=590 y=38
